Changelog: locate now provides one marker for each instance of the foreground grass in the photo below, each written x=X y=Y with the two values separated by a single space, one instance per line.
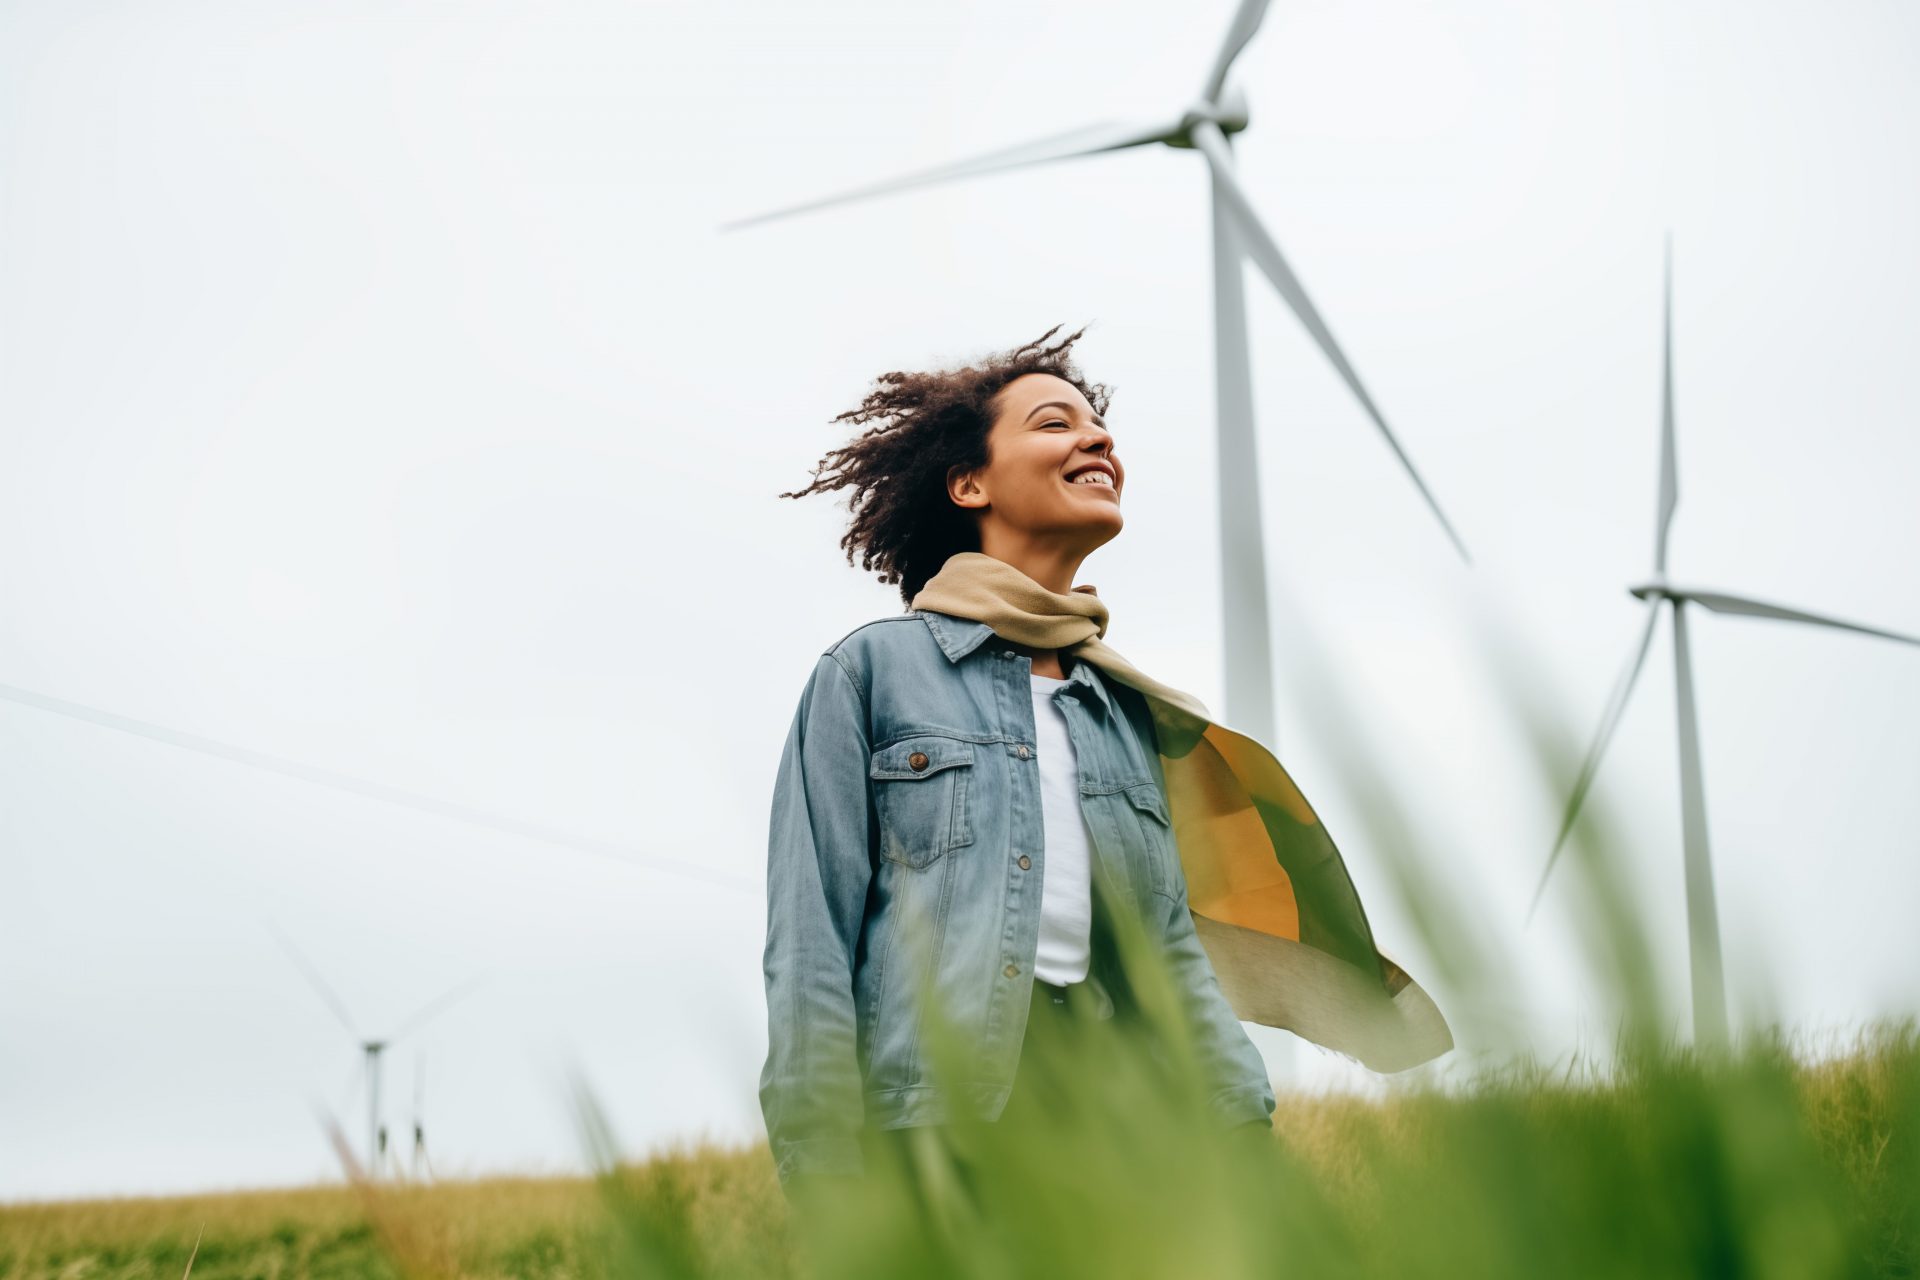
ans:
x=1765 y=1165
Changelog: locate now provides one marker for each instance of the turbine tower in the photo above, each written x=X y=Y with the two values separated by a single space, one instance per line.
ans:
x=1703 y=923
x=372 y=1049
x=1205 y=125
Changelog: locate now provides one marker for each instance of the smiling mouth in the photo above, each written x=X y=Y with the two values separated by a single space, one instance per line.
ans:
x=1092 y=477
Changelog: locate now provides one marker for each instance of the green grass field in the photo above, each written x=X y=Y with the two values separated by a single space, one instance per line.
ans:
x=1763 y=1165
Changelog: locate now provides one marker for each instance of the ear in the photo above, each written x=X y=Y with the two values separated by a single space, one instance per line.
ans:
x=964 y=488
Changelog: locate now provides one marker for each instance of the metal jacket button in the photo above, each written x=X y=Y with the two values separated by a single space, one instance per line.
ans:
x=1012 y=971
x=918 y=760
x=1025 y=862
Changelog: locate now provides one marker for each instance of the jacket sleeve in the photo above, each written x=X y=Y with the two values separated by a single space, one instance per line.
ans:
x=818 y=869
x=1242 y=1091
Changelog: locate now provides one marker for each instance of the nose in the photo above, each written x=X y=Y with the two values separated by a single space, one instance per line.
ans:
x=1099 y=444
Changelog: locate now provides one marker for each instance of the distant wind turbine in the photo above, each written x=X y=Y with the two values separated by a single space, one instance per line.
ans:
x=1703 y=923
x=419 y=1118
x=1238 y=233
x=373 y=1048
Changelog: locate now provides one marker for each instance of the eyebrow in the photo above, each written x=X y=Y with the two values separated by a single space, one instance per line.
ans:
x=1098 y=421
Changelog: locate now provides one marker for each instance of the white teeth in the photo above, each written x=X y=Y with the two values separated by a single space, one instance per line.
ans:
x=1092 y=477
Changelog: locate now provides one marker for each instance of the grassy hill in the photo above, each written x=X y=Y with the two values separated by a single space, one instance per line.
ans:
x=1760 y=1164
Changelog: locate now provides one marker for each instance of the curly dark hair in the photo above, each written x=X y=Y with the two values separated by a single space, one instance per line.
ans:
x=904 y=524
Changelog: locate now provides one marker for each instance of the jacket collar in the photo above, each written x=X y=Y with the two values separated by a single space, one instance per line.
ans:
x=958 y=637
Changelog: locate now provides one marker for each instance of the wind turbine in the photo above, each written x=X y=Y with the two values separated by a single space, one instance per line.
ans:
x=419 y=1118
x=1703 y=923
x=373 y=1048
x=1204 y=125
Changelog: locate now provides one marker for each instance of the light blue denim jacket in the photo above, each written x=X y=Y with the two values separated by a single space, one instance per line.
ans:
x=881 y=873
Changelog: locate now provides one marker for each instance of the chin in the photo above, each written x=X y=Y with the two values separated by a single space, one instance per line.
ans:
x=1104 y=531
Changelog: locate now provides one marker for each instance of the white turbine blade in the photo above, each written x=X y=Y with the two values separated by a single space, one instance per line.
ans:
x=1246 y=21
x=1669 y=461
x=1609 y=721
x=1265 y=252
x=373 y=790
x=319 y=984
x=435 y=1007
x=1086 y=141
x=1720 y=602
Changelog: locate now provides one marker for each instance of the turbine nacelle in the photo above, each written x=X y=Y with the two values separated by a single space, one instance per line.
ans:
x=1230 y=113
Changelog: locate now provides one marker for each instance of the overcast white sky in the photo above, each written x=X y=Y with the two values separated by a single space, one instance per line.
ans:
x=376 y=391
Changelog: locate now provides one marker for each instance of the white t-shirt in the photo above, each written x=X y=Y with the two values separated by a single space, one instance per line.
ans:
x=1066 y=889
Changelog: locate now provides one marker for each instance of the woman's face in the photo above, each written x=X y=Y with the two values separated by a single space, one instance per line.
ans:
x=1051 y=472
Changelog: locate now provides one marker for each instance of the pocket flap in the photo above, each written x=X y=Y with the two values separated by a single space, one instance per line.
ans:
x=930 y=753
x=1147 y=799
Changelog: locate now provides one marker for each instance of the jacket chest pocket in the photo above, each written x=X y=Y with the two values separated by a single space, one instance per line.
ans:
x=920 y=790
x=1149 y=809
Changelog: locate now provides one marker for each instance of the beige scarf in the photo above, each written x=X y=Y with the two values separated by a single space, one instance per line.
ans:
x=1271 y=899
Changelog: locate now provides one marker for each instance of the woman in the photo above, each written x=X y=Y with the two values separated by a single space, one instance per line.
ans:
x=966 y=784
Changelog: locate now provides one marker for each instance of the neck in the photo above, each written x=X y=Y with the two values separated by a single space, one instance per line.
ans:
x=1053 y=567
